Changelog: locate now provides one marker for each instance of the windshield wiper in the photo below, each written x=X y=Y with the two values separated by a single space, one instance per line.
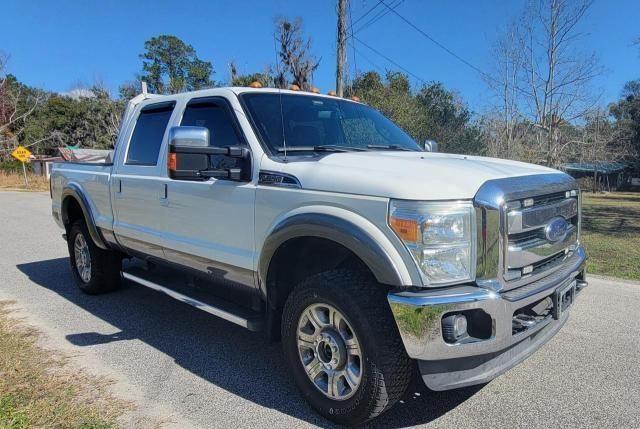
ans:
x=389 y=147
x=320 y=148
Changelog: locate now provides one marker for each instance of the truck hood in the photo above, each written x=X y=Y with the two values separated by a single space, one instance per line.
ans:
x=405 y=175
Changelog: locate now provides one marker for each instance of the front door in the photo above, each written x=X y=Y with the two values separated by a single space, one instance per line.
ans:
x=210 y=224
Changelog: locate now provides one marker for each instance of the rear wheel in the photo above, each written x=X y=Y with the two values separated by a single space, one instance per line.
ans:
x=343 y=346
x=95 y=270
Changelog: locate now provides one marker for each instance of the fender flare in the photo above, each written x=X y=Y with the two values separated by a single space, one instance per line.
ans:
x=336 y=229
x=73 y=191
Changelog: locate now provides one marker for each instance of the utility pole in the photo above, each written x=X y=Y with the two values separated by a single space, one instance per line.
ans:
x=342 y=40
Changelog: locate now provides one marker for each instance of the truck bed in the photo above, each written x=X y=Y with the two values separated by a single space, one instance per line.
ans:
x=90 y=179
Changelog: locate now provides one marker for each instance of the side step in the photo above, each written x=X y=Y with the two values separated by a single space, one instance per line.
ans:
x=176 y=285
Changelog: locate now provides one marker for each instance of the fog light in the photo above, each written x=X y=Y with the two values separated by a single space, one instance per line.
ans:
x=454 y=327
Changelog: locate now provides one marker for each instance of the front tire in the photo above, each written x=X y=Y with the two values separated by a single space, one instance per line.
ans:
x=343 y=346
x=94 y=270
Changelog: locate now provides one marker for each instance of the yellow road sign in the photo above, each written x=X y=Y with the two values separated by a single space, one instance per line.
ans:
x=22 y=154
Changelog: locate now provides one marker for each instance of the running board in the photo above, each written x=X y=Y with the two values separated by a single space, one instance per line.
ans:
x=240 y=316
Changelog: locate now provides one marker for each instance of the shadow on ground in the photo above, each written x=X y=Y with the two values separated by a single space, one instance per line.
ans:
x=238 y=361
x=611 y=219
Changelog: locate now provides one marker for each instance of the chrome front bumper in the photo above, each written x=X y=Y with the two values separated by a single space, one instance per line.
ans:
x=443 y=365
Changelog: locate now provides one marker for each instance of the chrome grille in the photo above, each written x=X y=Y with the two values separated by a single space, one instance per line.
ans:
x=527 y=247
x=511 y=216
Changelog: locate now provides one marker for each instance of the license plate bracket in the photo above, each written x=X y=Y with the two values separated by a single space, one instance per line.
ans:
x=563 y=299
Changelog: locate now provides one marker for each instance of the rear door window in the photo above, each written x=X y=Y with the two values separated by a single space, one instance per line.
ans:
x=146 y=140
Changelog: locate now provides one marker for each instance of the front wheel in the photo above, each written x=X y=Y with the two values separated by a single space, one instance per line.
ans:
x=343 y=346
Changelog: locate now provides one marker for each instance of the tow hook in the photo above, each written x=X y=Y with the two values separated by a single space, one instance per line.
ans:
x=581 y=284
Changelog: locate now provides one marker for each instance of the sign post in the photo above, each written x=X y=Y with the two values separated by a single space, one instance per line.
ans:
x=22 y=154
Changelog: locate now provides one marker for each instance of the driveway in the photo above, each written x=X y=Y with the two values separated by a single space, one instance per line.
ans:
x=198 y=369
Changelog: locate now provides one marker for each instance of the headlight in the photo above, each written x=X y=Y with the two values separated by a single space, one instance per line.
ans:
x=440 y=237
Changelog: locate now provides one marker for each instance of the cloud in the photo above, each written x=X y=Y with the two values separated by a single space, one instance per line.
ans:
x=78 y=93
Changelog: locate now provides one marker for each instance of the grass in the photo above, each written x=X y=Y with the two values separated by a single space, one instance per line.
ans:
x=38 y=389
x=611 y=234
x=15 y=181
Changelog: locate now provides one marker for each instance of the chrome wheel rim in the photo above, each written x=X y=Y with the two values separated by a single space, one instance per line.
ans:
x=83 y=258
x=329 y=351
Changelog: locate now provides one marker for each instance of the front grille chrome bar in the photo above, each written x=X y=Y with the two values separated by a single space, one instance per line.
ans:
x=501 y=237
x=519 y=221
x=534 y=251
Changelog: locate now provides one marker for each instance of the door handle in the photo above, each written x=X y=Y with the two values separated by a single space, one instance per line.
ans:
x=119 y=186
x=164 y=192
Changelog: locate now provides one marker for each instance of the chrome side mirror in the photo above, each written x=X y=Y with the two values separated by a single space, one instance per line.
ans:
x=431 y=146
x=189 y=156
x=189 y=136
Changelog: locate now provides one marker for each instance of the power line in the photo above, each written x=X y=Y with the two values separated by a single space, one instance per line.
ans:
x=390 y=60
x=449 y=51
x=434 y=41
x=379 y=15
x=392 y=8
x=369 y=60
x=365 y=14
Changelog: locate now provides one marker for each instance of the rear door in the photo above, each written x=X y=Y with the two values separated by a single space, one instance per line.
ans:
x=137 y=184
x=209 y=224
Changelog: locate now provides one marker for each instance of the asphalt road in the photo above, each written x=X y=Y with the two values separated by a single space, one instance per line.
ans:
x=193 y=368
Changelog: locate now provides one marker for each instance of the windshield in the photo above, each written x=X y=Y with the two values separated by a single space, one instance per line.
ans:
x=314 y=124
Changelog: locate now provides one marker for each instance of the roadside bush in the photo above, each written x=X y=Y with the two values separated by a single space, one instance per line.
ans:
x=13 y=166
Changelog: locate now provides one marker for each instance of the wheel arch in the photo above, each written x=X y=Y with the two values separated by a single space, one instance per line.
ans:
x=345 y=232
x=75 y=205
x=342 y=235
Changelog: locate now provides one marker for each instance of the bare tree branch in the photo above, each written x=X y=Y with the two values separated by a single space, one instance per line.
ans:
x=558 y=77
x=295 y=53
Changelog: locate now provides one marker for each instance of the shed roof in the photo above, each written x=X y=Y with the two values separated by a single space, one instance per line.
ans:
x=594 y=167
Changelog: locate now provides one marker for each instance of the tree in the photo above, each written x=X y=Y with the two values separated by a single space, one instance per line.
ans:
x=431 y=113
x=449 y=121
x=393 y=97
x=542 y=78
x=86 y=117
x=18 y=103
x=297 y=62
x=627 y=114
x=265 y=78
x=128 y=90
x=505 y=119
x=171 y=66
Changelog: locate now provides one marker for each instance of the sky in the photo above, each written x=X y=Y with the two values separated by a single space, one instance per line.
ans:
x=60 y=45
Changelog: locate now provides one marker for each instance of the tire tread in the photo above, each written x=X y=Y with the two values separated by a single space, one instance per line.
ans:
x=105 y=264
x=393 y=369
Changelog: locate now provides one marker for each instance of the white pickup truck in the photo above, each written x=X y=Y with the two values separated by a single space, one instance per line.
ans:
x=318 y=221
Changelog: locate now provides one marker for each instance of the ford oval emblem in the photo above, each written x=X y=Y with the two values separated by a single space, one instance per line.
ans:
x=556 y=229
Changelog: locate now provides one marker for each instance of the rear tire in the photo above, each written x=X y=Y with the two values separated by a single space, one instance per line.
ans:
x=368 y=384
x=94 y=270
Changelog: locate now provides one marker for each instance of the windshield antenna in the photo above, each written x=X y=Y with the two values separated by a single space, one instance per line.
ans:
x=278 y=82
